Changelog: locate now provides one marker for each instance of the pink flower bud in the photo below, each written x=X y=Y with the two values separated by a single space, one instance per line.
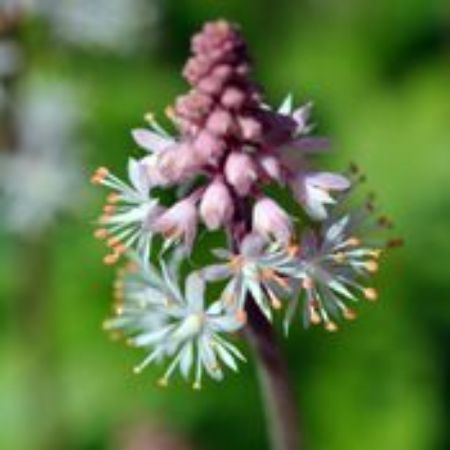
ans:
x=271 y=221
x=208 y=147
x=251 y=129
x=216 y=207
x=179 y=222
x=240 y=172
x=219 y=122
x=233 y=98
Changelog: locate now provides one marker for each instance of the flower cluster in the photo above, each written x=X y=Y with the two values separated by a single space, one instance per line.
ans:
x=229 y=147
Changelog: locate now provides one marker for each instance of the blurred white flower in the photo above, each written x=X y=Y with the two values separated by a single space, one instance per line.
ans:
x=114 y=25
x=41 y=177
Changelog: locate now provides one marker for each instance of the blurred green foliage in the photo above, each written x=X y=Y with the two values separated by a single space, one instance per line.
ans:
x=378 y=73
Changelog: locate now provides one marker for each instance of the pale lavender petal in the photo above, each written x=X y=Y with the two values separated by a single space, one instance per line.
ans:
x=328 y=180
x=216 y=272
x=151 y=141
x=310 y=144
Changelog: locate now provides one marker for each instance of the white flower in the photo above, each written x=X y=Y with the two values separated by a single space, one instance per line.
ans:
x=112 y=25
x=329 y=269
x=41 y=176
x=174 y=325
x=261 y=269
x=129 y=213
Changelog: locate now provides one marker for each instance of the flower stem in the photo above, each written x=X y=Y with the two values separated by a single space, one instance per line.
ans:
x=281 y=410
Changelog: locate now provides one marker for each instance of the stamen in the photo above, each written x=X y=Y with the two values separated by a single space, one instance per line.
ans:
x=353 y=242
x=99 y=176
x=314 y=317
x=111 y=259
x=331 y=326
x=349 y=314
x=101 y=233
x=109 y=209
x=371 y=266
x=274 y=300
x=170 y=113
x=113 y=198
x=370 y=294
x=163 y=382
x=339 y=257
x=241 y=316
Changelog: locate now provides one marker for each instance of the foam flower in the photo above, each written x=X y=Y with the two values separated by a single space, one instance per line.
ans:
x=177 y=326
x=260 y=269
x=129 y=212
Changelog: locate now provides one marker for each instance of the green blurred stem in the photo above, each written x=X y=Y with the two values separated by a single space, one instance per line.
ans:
x=280 y=405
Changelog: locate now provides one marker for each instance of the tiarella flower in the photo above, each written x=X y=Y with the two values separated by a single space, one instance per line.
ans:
x=174 y=325
x=329 y=268
x=129 y=213
x=216 y=206
x=261 y=269
x=179 y=223
x=229 y=146
x=271 y=221
x=313 y=191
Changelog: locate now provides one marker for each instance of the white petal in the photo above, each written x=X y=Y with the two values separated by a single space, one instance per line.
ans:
x=151 y=141
x=195 y=292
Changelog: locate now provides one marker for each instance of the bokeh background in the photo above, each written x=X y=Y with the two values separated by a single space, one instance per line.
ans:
x=75 y=77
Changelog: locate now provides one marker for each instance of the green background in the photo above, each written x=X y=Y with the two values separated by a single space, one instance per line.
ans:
x=379 y=75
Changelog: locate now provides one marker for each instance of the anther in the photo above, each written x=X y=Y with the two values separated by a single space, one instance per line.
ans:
x=113 y=198
x=314 y=317
x=101 y=233
x=111 y=259
x=163 y=382
x=100 y=174
x=349 y=314
x=370 y=294
x=109 y=209
x=339 y=257
x=331 y=327
x=353 y=242
x=371 y=266
x=241 y=316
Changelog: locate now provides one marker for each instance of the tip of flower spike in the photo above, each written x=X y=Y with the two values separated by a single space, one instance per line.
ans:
x=197 y=386
x=137 y=370
x=99 y=175
x=370 y=294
